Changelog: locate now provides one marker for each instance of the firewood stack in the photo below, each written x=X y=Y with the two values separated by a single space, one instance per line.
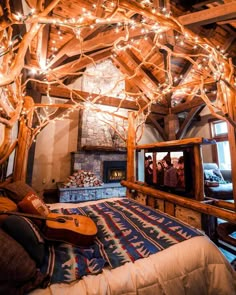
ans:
x=82 y=178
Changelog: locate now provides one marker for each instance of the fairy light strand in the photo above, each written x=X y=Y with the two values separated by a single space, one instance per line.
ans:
x=206 y=61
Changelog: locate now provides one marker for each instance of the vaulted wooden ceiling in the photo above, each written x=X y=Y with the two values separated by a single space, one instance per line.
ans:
x=158 y=60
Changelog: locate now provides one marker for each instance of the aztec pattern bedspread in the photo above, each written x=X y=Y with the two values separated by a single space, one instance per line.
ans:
x=127 y=231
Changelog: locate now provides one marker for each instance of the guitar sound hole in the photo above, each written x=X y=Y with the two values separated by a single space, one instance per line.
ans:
x=61 y=220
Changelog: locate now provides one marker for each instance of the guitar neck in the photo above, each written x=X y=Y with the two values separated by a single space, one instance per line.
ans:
x=26 y=215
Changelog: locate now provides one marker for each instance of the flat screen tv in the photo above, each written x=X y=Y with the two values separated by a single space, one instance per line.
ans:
x=170 y=171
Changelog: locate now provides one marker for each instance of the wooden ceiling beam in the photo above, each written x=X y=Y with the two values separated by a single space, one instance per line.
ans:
x=129 y=73
x=187 y=121
x=155 y=4
x=62 y=56
x=186 y=106
x=102 y=40
x=186 y=70
x=211 y=15
x=43 y=41
x=102 y=100
x=203 y=3
x=99 y=8
x=225 y=22
x=131 y=87
x=156 y=58
x=81 y=63
x=142 y=70
x=160 y=130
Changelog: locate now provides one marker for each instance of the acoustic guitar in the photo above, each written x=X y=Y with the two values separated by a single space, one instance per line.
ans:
x=78 y=230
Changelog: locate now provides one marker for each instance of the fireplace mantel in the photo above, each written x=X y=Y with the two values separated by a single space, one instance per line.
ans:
x=111 y=149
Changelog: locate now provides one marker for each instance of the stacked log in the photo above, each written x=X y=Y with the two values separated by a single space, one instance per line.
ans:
x=82 y=178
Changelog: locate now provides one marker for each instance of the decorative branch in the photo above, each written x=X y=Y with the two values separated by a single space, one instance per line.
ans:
x=209 y=65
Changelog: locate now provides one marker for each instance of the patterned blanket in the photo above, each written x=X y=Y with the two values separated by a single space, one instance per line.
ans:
x=127 y=231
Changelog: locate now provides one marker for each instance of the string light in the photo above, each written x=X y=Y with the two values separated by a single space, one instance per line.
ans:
x=207 y=64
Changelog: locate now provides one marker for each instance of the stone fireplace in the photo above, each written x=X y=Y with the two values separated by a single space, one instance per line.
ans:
x=108 y=164
x=103 y=153
x=99 y=146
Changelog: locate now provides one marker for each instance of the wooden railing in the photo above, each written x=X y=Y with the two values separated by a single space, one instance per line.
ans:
x=202 y=207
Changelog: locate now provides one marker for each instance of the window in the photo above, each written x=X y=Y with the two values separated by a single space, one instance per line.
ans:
x=220 y=128
x=219 y=131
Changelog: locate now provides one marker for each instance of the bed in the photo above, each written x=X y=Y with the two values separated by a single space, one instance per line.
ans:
x=162 y=256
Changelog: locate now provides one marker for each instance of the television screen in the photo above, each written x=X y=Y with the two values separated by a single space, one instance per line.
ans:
x=169 y=171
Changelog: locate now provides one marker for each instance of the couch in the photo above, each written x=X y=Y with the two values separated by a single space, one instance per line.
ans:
x=218 y=183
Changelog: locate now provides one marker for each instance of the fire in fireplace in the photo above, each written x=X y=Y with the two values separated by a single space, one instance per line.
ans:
x=114 y=171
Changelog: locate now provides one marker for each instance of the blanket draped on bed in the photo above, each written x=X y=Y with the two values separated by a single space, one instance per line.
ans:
x=127 y=231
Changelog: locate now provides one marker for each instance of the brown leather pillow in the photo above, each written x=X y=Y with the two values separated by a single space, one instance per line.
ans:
x=17 y=190
x=6 y=204
x=33 y=204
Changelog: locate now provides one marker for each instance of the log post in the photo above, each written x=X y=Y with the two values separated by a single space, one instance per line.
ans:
x=230 y=101
x=198 y=172
x=24 y=141
x=232 y=145
x=171 y=126
x=130 y=175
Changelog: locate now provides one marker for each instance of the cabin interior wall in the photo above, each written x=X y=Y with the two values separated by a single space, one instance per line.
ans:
x=52 y=152
x=52 y=161
x=55 y=143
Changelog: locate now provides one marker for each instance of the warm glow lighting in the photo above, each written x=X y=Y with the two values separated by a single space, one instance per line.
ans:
x=33 y=71
x=205 y=62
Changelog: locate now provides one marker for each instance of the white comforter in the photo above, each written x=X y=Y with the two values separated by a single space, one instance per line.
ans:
x=195 y=266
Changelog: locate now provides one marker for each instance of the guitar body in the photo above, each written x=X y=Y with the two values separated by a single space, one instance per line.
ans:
x=78 y=230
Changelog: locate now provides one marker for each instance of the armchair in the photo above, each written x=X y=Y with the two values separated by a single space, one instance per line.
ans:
x=218 y=183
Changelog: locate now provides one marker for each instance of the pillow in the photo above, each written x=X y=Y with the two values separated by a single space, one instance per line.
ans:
x=218 y=174
x=211 y=183
x=17 y=190
x=32 y=204
x=26 y=233
x=213 y=175
x=6 y=204
x=18 y=272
